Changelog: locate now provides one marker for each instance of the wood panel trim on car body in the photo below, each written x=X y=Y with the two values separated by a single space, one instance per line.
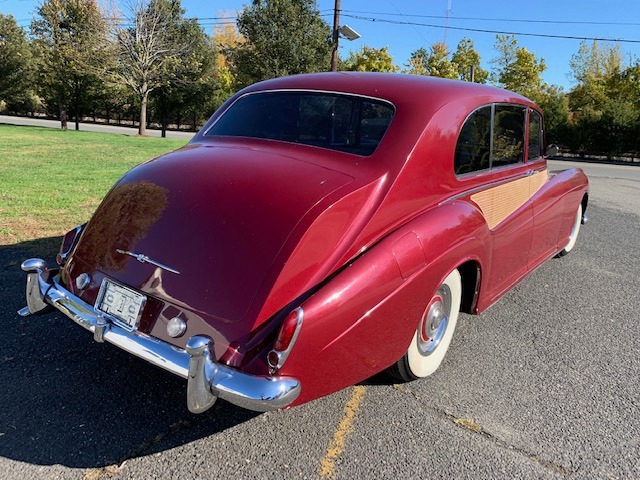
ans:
x=497 y=203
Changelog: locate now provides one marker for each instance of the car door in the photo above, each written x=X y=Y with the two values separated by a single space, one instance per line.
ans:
x=546 y=196
x=491 y=147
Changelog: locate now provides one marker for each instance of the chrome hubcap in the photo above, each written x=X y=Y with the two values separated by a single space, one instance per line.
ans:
x=434 y=321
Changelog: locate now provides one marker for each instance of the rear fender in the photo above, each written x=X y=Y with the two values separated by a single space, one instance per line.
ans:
x=363 y=319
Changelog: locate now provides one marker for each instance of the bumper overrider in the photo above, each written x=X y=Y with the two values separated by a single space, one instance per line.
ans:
x=206 y=379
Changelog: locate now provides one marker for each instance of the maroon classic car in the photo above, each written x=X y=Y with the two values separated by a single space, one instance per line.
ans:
x=318 y=230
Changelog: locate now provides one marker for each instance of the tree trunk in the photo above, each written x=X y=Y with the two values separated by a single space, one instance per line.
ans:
x=76 y=101
x=63 y=115
x=163 y=114
x=142 y=128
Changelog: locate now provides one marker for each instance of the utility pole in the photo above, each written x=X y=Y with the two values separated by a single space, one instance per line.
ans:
x=336 y=36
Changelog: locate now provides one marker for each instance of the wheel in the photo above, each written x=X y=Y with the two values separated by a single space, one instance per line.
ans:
x=432 y=337
x=574 y=233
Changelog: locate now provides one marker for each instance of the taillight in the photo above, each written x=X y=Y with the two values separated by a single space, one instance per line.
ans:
x=287 y=336
x=68 y=243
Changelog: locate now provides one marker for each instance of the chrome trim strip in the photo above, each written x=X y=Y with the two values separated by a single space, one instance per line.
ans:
x=259 y=393
x=144 y=259
x=496 y=183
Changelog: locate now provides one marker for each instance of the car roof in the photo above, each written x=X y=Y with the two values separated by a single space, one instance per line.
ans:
x=420 y=90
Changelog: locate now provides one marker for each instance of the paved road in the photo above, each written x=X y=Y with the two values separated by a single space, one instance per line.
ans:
x=613 y=186
x=543 y=385
x=88 y=127
x=600 y=170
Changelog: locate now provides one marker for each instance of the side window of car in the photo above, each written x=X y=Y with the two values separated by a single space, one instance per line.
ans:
x=508 y=135
x=473 y=150
x=535 y=135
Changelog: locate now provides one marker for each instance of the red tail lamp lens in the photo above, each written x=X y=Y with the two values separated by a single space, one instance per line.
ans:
x=288 y=331
x=286 y=338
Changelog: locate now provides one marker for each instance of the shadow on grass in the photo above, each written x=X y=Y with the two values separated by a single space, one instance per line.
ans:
x=68 y=400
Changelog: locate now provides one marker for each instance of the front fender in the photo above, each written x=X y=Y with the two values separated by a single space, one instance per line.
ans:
x=362 y=320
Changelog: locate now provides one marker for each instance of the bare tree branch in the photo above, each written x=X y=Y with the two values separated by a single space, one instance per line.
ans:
x=149 y=52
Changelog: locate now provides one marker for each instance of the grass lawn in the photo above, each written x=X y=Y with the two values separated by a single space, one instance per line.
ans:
x=52 y=180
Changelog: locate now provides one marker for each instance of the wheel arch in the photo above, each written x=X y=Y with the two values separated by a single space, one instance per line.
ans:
x=471 y=273
x=585 y=202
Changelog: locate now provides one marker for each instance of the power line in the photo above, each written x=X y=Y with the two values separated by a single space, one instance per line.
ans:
x=498 y=32
x=414 y=28
x=483 y=19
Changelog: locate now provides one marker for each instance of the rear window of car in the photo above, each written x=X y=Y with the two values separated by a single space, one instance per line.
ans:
x=339 y=122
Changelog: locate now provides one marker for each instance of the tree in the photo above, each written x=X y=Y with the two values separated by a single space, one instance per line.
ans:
x=282 y=37
x=417 y=64
x=71 y=38
x=438 y=63
x=369 y=59
x=630 y=88
x=596 y=70
x=190 y=92
x=555 y=106
x=156 y=51
x=226 y=40
x=16 y=65
x=595 y=61
x=465 y=57
x=619 y=127
x=605 y=102
x=518 y=69
x=506 y=46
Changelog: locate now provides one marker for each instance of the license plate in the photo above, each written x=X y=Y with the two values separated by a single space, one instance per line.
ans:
x=121 y=303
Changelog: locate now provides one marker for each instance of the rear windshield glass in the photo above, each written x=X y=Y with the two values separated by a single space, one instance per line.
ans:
x=339 y=122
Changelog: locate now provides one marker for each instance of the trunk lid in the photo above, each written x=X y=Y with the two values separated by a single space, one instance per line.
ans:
x=219 y=215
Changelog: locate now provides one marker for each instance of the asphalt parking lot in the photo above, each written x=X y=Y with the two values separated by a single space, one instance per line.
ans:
x=545 y=384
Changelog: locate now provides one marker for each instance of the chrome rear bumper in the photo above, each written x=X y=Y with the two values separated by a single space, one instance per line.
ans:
x=207 y=379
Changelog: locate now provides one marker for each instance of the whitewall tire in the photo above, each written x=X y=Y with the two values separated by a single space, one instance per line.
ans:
x=434 y=332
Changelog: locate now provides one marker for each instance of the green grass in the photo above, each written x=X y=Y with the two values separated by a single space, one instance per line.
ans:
x=52 y=180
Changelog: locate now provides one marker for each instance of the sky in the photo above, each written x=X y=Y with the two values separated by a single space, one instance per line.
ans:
x=404 y=25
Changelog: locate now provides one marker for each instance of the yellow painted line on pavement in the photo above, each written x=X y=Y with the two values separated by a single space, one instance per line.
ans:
x=336 y=447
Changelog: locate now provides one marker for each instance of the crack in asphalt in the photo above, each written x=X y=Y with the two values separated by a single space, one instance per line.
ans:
x=175 y=427
x=475 y=429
